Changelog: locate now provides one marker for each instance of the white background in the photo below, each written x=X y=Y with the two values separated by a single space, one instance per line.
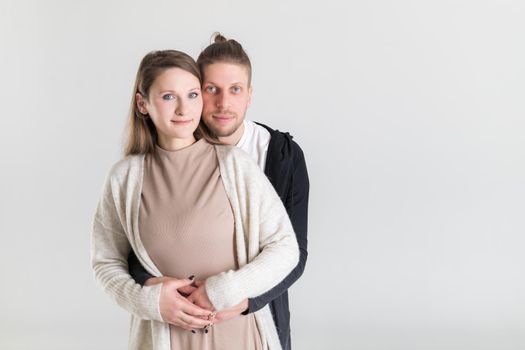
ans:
x=411 y=116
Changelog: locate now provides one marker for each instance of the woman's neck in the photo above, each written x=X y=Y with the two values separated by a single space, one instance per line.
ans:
x=173 y=144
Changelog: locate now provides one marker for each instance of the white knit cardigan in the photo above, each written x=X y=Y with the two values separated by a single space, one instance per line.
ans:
x=266 y=246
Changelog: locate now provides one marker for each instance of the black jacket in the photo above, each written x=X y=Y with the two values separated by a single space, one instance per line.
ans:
x=286 y=170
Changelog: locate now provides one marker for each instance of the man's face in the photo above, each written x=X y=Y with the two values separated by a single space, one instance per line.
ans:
x=226 y=95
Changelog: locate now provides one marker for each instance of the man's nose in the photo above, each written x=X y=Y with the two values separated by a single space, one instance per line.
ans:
x=222 y=101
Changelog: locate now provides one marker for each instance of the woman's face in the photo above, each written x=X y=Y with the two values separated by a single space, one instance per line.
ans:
x=174 y=105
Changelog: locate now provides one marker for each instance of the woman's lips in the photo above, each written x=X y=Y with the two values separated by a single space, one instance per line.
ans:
x=182 y=121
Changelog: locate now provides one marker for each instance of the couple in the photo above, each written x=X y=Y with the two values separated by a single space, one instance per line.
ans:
x=185 y=202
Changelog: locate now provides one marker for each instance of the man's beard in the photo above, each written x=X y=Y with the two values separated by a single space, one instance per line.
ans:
x=220 y=132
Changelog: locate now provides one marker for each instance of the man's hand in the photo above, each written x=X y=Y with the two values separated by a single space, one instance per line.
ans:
x=228 y=314
x=176 y=309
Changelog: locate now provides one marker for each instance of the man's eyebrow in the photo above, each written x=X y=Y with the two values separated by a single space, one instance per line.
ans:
x=212 y=83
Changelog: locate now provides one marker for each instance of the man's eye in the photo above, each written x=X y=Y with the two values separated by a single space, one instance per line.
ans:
x=211 y=89
x=193 y=95
x=168 y=97
x=236 y=89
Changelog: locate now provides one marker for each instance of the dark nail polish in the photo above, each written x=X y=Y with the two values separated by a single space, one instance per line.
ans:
x=206 y=330
x=191 y=277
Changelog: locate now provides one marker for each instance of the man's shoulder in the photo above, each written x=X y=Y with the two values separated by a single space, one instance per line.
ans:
x=281 y=141
x=263 y=127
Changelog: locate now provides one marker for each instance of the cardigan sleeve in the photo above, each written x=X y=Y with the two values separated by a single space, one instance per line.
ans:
x=109 y=251
x=263 y=217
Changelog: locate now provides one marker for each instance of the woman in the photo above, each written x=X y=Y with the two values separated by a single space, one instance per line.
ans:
x=187 y=206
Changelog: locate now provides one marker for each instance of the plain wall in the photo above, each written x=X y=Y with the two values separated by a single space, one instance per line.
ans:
x=411 y=116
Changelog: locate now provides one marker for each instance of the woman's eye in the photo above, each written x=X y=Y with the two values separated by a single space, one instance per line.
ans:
x=236 y=89
x=168 y=97
x=211 y=89
x=193 y=95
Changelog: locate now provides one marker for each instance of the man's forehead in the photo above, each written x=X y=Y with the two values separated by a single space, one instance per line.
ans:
x=225 y=73
x=220 y=82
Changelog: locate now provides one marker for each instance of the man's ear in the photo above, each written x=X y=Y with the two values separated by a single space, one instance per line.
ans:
x=250 y=89
x=141 y=103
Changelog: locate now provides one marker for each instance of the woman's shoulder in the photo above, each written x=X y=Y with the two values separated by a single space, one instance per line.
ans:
x=128 y=165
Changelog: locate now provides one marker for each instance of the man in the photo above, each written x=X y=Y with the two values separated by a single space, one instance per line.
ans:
x=226 y=93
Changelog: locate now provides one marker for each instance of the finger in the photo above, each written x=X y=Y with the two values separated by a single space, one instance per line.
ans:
x=182 y=320
x=195 y=298
x=182 y=283
x=181 y=324
x=186 y=289
x=194 y=310
x=199 y=283
x=205 y=306
x=193 y=322
x=201 y=300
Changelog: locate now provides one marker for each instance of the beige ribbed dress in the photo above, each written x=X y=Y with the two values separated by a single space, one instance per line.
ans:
x=186 y=225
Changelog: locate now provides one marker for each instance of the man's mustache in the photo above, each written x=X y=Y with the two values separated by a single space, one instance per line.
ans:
x=224 y=112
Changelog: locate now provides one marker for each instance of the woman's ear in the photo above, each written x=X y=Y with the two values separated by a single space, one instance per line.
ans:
x=141 y=103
